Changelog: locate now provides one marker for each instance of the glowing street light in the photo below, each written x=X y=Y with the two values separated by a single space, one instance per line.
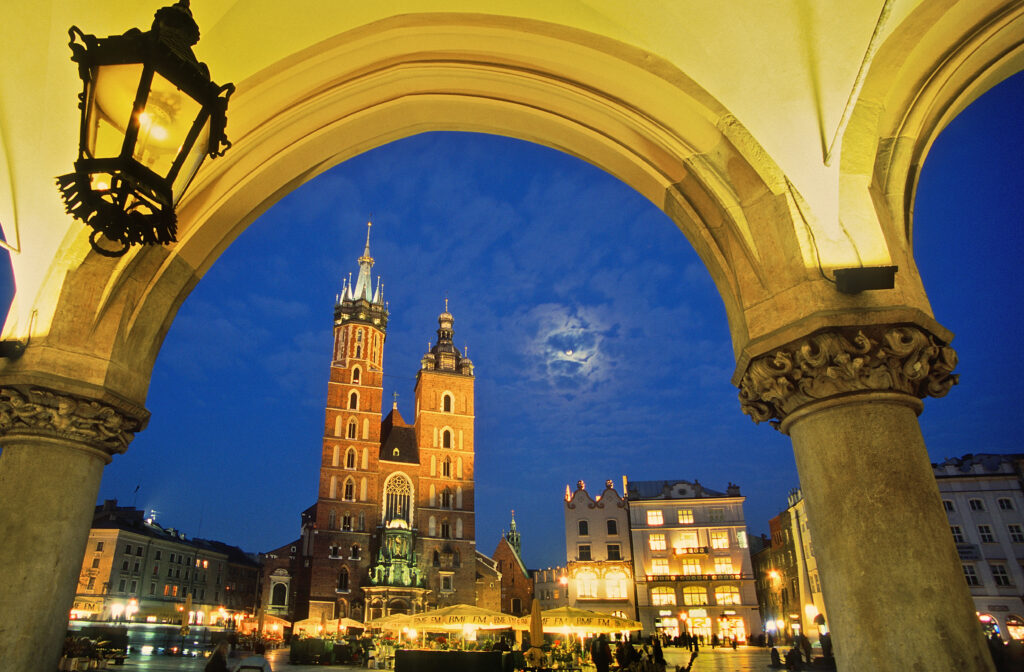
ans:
x=150 y=115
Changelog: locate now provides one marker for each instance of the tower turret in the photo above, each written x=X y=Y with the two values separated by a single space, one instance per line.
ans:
x=359 y=301
x=513 y=536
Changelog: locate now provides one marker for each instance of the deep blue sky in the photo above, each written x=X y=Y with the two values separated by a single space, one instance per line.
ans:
x=539 y=253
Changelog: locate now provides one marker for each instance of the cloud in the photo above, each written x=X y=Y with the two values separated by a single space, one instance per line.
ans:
x=564 y=345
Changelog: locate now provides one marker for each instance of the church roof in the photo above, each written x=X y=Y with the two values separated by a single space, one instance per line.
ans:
x=398 y=440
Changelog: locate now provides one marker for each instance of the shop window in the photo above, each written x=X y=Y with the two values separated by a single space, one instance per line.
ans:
x=727 y=595
x=663 y=595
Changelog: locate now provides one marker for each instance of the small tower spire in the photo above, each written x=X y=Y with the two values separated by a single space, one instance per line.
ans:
x=513 y=535
x=364 y=288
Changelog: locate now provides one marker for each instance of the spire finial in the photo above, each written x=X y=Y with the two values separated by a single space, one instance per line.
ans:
x=394 y=404
x=446 y=302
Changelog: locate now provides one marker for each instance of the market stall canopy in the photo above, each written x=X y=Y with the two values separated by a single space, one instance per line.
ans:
x=571 y=619
x=460 y=616
x=392 y=622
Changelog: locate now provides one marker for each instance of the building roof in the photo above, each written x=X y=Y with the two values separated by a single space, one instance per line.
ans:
x=398 y=440
x=977 y=463
x=639 y=490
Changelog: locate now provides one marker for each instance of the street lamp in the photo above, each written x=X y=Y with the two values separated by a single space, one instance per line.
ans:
x=150 y=115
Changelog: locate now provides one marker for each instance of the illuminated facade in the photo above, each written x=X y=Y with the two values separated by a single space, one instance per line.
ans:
x=598 y=559
x=691 y=560
x=393 y=528
x=983 y=498
x=137 y=571
x=550 y=587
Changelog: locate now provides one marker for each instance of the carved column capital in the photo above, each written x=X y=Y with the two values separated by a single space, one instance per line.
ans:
x=42 y=412
x=840 y=361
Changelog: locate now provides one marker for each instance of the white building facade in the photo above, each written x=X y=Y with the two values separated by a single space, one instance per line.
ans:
x=691 y=560
x=984 y=501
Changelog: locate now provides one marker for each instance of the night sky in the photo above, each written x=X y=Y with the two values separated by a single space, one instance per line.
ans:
x=600 y=343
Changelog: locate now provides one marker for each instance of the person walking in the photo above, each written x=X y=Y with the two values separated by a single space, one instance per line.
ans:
x=601 y=653
x=218 y=661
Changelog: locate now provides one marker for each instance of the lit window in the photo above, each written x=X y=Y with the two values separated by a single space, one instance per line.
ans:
x=948 y=506
x=985 y=533
x=1016 y=533
x=613 y=552
x=727 y=595
x=1005 y=504
x=654 y=517
x=691 y=566
x=723 y=566
x=976 y=504
x=583 y=527
x=720 y=539
x=686 y=540
x=685 y=516
x=615 y=585
x=584 y=552
x=695 y=595
x=663 y=595
x=971 y=575
x=613 y=527
x=659 y=566
x=657 y=542
x=999 y=575
x=958 y=534
x=586 y=585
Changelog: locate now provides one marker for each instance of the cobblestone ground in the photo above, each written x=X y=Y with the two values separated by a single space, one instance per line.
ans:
x=718 y=660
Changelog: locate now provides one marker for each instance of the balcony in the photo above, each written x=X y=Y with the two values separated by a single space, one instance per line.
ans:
x=696 y=577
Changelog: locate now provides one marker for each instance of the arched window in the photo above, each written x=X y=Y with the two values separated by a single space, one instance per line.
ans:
x=446 y=530
x=693 y=595
x=727 y=595
x=337 y=426
x=353 y=429
x=343 y=579
x=362 y=489
x=353 y=401
x=432 y=529
x=335 y=457
x=458 y=528
x=362 y=521
x=356 y=375
x=354 y=555
x=398 y=499
x=279 y=596
x=446 y=403
x=346 y=522
x=332 y=519
x=433 y=496
x=586 y=585
x=584 y=528
x=433 y=465
x=366 y=428
x=333 y=492
x=359 y=352
x=446 y=467
x=663 y=595
x=350 y=458
x=437 y=558
x=350 y=490
x=458 y=497
x=458 y=468
x=446 y=438
x=446 y=498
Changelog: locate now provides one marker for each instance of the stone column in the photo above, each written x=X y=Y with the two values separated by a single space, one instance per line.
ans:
x=892 y=580
x=55 y=446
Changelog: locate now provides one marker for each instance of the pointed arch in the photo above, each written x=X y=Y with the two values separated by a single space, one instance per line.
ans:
x=366 y=428
x=458 y=528
x=333 y=491
x=332 y=519
x=343 y=579
x=458 y=497
x=353 y=400
x=337 y=426
x=362 y=489
x=357 y=375
x=446 y=437
x=349 y=492
x=399 y=498
x=432 y=527
x=336 y=457
x=350 y=458
x=366 y=458
x=433 y=495
x=446 y=467
x=433 y=465
x=353 y=428
x=458 y=467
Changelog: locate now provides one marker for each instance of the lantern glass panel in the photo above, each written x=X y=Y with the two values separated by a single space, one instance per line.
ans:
x=192 y=161
x=164 y=124
x=111 y=99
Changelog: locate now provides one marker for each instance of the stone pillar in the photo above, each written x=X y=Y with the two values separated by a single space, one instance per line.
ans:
x=55 y=446
x=892 y=580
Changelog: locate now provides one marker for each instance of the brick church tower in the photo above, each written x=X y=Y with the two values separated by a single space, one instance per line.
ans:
x=393 y=527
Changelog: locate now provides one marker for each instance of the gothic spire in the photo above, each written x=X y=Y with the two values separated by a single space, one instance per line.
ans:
x=513 y=536
x=363 y=288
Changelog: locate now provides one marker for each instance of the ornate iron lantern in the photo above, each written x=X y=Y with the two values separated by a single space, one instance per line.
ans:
x=150 y=115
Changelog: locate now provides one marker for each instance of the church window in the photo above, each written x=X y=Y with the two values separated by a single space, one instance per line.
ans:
x=362 y=489
x=279 y=596
x=433 y=496
x=458 y=468
x=354 y=555
x=359 y=336
x=332 y=520
x=350 y=490
x=446 y=530
x=432 y=530
x=359 y=351
x=343 y=579
x=446 y=403
x=362 y=521
x=350 y=458
x=584 y=528
x=366 y=458
x=446 y=498
x=333 y=492
x=353 y=401
x=352 y=429
x=366 y=428
x=346 y=522
x=446 y=467
x=437 y=559
x=335 y=461
x=458 y=528
x=458 y=497
x=433 y=465
x=337 y=426
x=356 y=373
x=446 y=438
x=397 y=498
x=456 y=559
